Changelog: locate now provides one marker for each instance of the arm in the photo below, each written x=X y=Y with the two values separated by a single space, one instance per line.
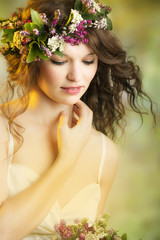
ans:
x=108 y=173
x=28 y=208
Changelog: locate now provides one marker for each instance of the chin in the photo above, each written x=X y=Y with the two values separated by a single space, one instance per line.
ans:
x=70 y=102
x=67 y=100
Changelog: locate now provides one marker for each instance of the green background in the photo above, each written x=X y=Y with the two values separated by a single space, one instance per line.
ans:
x=134 y=201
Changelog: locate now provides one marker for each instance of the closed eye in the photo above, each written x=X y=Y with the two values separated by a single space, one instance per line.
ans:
x=88 y=62
x=58 y=63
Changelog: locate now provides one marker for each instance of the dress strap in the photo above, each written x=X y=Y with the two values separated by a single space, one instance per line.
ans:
x=102 y=157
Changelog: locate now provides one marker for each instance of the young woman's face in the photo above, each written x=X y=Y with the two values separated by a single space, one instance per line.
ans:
x=66 y=79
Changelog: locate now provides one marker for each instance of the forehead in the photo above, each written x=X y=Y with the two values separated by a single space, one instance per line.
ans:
x=80 y=50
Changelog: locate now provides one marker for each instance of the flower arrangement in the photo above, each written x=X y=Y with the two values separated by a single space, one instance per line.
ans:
x=40 y=37
x=82 y=230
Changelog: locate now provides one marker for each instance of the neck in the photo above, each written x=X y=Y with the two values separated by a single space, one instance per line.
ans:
x=45 y=110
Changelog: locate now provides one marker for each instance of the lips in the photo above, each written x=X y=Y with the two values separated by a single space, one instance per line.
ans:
x=72 y=90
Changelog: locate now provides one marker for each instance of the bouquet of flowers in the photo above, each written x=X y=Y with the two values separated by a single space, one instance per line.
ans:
x=82 y=230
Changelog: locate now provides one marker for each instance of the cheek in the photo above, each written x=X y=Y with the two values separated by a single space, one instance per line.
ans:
x=92 y=73
x=49 y=75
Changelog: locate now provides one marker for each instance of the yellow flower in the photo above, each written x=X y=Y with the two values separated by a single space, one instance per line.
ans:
x=10 y=25
x=14 y=19
x=17 y=39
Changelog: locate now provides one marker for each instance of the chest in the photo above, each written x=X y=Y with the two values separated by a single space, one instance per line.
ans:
x=39 y=151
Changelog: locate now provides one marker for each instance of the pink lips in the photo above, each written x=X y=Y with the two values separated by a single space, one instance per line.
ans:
x=72 y=90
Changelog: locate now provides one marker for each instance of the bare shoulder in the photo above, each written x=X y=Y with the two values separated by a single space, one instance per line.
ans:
x=109 y=169
x=111 y=147
x=111 y=157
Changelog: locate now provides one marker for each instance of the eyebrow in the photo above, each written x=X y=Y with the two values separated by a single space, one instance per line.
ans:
x=92 y=53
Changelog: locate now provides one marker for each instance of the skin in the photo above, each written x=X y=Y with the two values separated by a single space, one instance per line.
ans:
x=60 y=149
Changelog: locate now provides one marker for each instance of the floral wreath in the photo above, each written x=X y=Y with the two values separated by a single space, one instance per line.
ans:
x=40 y=37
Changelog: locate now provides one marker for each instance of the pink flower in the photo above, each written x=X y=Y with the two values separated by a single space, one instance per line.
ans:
x=92 y=10
x=63 y=222
x=81 y=236
x=76 y=220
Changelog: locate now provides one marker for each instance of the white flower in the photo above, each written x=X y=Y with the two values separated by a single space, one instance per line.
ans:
x=77 y=18
x=96 y=6
x=103 y=23
x=91 y=236
x=72 y=28
x=100 y=23
x=61 y=45
x=54 y=43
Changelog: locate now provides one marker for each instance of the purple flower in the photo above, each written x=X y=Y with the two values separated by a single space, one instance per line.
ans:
x=89 y=21
x=89 y=4
x=80 y=27
x=54 y=23
x=36 y=31
x=53 y=31
x=47 y=51
x=84 y=32
x=24 y=33
x=44 y=18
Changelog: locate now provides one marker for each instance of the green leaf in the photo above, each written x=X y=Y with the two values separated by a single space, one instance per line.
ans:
x=88 y=16
x=36 y=19
x=32 y=55
x=31 y=26
x=3 y=20
x=124 y=236
x=8 y=34
x=32 y=52
x=109 y=24
x=109 y=237
x=41 y=55
x=33 y=43
x=60 y=54
x=3 y=41
x=42 y=37
x=78 y=5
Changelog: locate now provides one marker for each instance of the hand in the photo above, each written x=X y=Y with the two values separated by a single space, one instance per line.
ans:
x=72 y=140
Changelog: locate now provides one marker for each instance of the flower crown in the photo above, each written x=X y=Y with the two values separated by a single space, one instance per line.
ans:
x=40 y=37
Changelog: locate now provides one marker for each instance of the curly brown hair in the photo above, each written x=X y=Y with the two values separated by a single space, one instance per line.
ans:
x=116 y=75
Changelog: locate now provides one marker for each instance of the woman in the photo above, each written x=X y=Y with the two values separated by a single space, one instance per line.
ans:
x=48 y=169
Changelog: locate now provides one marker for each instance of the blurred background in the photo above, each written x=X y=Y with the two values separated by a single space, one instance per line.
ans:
x=134 y=201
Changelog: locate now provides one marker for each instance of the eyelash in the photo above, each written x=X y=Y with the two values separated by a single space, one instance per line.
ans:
x=62 y=63
x=57 y=63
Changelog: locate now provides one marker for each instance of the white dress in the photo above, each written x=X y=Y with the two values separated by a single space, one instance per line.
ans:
x=83 y=204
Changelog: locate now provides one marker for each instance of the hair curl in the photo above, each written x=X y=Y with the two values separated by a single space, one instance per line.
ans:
x=115 y=76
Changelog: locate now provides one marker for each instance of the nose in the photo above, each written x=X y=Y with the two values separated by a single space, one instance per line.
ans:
x=74 y=73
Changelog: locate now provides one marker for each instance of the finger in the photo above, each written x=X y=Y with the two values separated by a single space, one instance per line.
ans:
x=76 y=109
x=75 y=113
x=84 y=112
x=63 y=119
x=74 y=120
